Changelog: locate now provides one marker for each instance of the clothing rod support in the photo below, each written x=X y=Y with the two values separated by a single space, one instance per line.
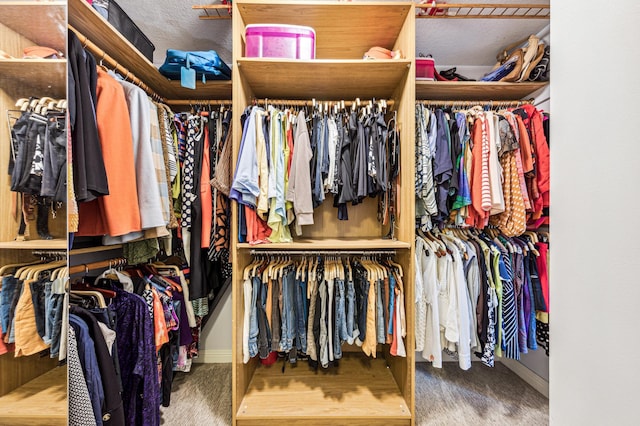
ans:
x=201 y=102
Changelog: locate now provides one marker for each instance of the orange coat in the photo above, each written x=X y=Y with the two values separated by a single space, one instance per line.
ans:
x=117 y=213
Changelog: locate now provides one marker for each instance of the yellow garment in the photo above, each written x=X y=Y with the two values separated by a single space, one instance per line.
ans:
x=27 y=339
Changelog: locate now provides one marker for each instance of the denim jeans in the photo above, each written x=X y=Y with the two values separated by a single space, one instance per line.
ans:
x=302 y=313
x=380 y=328
x=289 y=319
x=37 y=297
x=9 y=284
x=12 y=312
x=49 y=315
x=57 y=306
x=340 y=334
x=392 y=296
x=253 y=319
x=352 y=325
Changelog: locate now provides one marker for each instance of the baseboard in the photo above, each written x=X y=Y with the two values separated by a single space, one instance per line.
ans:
x=537 y=382
x=214 y=356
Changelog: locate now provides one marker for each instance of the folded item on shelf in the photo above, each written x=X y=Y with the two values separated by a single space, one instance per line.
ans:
x=41 y=52
x=377 y=52
x=207 y=65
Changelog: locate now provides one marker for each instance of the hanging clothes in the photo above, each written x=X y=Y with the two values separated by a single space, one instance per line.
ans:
x=475 y=294
x=314 y=305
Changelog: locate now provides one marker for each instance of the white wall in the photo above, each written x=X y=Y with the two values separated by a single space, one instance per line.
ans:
x=595 y=263
x=216 y=337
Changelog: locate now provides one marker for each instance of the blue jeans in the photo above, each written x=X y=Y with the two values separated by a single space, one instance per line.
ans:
x=351 y=324
x=380 y=332
x=302 y=313
x=12 y=313
x=289 y=321
x=392 y=296
x=253 y=319
x=57 y=306
x=37 y=298
x=340 y=334
x=49 y=315
x=9 y=284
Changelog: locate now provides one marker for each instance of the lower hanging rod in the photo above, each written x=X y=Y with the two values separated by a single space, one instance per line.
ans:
x=466 y=103
x=254 y=252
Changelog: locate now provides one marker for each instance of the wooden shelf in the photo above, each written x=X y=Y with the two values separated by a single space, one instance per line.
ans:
x=91 y=24
x=332 y=244
x=42 y=401
x=98 y=249
x=475 y=90
x=34 y=77
x=45 y=26
x=56 y=244
x=322 y=78
x=343 y=30
x=360 y=391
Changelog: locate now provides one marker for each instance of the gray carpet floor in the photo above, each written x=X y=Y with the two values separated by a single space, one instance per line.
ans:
x=450 y=396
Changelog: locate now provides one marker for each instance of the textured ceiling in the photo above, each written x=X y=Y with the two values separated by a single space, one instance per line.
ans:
x=462 y=42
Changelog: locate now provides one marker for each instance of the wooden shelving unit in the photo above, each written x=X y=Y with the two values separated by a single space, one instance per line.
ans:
x=273 y=78
x=361 y=390
x=32 y=391
x=85 y=20
x=40 y=401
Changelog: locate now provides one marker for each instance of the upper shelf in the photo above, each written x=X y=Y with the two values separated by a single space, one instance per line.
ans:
x=475 y=90
x=46 y=23
x=34 y=77
x=343 y=30
x=324 y=79
x=332 y=244
x=57 y=244
x=484 y=11
x=84 y=19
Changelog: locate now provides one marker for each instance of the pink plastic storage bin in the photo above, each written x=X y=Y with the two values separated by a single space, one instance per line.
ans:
x=280 y=41
x=425 y=68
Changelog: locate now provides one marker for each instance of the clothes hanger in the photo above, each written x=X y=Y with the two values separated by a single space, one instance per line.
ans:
x=6 y=268
x=99 y=297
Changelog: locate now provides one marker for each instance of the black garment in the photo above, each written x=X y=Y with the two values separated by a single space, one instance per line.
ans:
x=362 y=299
x=264 y=332
x=109 y=318
x=89 y=174
x=113 y=409
x=538 y=297
x=27 y=130
x=166 y=356
x=198 y=287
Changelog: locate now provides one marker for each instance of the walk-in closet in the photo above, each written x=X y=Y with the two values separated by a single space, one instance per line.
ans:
x=320 y=212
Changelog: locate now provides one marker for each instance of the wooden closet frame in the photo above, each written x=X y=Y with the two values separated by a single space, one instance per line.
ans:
x=31 y=388
x=337 y=73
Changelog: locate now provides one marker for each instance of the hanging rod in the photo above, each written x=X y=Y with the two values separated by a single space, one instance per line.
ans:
x=433 y=10
x=102 y=57
x=205 y=102
x=49 y=253
x=109 y=263
x=254 y=252
x=313 y=102
x=215 y=7
x=461 y=103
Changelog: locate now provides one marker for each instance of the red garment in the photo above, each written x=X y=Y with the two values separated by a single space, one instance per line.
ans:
x=543 y=273
x=477 y=215
x=257 y=229
x=4 y=347
x=206 y=195
x=541 y=147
